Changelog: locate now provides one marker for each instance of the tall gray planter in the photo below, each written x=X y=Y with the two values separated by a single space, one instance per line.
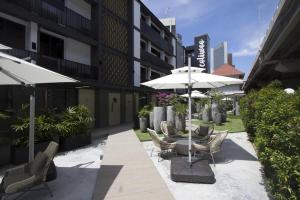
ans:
x=237 y=109
x=170 y=116
x=159 y=116
x=206 y=114
x=215 y=108
x=151 y=119
x=143 y=124
x=198 y=107
x=218 y=118
x=180 y=122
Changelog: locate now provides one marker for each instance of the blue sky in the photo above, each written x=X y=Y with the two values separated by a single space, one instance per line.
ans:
x=242 y=23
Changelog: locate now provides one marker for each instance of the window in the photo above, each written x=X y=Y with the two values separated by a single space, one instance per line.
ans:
x=144 y=74
x=144 y=45
x=155 y=51
x=51 y=46
x=155 y=28
x=154 y=75
x=143 y=18
x=167 y=59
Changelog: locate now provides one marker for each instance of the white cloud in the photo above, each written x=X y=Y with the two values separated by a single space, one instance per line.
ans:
x=249 y=48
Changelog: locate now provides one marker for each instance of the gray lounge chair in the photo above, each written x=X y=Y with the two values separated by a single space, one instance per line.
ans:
x=213 y=146
x=22 y=179
x=158 y=142
x=202 y=133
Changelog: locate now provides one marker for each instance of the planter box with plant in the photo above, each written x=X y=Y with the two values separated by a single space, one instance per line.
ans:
x=5 y=143
x=159 y=111
x=143 y=118
x=73 y=129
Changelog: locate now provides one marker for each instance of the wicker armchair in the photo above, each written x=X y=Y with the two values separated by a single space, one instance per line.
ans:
x=169 y=132
x=213 y=146
x=163 y=146
x=22 y=179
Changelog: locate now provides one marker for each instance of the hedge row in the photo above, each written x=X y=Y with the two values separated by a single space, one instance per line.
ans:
x=272 y=120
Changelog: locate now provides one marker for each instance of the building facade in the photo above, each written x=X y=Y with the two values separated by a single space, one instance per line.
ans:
x=109 y=46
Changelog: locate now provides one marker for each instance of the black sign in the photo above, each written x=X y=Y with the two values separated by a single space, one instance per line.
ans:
x=202 y=52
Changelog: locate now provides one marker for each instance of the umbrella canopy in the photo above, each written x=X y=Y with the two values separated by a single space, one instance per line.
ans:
x=15 y=71
x=196 y=94
x=190 y=77
x=179 y=79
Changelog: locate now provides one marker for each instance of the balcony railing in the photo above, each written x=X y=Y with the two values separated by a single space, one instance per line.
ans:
x=156 y=38
x=65 y=67
x=65 y=16
x=155 y=61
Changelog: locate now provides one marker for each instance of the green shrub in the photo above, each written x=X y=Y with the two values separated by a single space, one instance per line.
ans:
x=49 y=125
x=180 y=108
x=44 y=127
x=75 y=121
x=272 y=120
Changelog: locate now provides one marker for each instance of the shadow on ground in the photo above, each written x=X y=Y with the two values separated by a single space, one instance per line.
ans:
x=106 y=176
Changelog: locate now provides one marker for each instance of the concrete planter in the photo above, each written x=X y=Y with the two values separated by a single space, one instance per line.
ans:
x=159 y=116
x=218 y=118
x=198 y=107
x=151 y=119
x=180 y=122
x=170 y=116
x=74 y=141
x=19 y=154
x=143 y=124
x=237 y=109
x=206 y=114
x=215 y=108
x=4 y=154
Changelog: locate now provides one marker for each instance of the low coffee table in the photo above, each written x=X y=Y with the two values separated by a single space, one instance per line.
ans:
x=182 y=146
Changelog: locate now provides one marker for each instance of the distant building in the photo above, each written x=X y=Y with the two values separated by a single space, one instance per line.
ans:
x=170 y=24
x=219 y=55
x=230 y=71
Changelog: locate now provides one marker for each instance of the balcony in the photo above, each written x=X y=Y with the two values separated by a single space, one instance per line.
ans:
x=65 y=67
x=58 y=14
x=156 y=38
x=155 y=61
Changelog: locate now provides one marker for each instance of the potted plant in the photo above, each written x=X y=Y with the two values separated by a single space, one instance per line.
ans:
x=159 y=111
x=180 y=112
x=73 y=129
x=143 y=118
x=44 y=133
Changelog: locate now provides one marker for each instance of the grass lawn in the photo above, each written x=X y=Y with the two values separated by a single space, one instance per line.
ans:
x=233 y=124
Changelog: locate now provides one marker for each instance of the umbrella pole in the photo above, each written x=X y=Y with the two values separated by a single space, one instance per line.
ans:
x=31 y=124
x=190 y=115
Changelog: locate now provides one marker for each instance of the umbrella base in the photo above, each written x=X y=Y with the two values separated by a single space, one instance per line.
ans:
x=199 y=172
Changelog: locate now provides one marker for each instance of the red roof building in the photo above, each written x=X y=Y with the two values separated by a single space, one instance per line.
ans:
x=229 y=70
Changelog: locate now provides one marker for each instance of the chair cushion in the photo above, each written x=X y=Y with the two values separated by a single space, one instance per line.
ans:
x=203 y=131
x=170 y=130
x=38 y=163
x=13 y=178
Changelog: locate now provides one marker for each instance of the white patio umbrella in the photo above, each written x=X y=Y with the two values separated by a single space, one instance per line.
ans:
x=15 y=71
x=190 y=77
x=196 y=94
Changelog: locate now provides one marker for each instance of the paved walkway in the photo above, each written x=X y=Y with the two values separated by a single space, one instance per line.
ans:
x=127 y=172
x=238 y=174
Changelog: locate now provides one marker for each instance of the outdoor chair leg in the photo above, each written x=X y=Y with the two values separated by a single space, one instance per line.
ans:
x=48 y=189
x=212 y=156
x=151 y=152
